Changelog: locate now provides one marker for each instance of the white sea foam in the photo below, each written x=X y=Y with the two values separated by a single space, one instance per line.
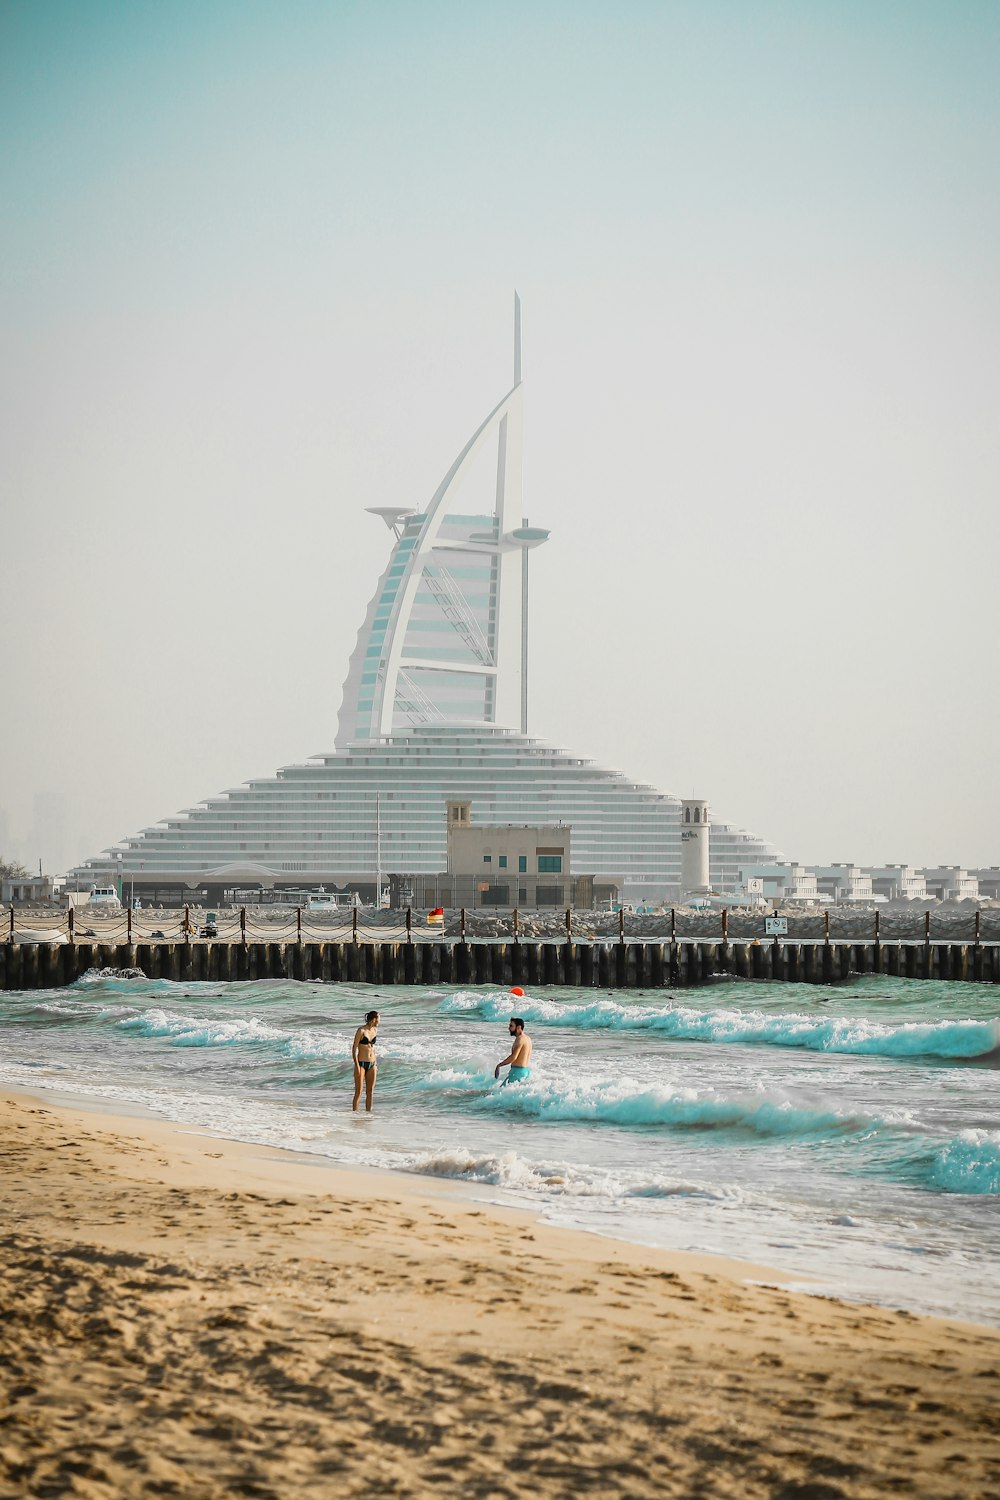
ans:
x=307 y=1043
x=970 y=1163
x=199 y=1031
x=627 y=1101
x=510 y=1170
x=852 y=1035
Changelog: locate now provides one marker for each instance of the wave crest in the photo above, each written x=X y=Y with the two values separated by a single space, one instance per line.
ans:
x=191 y=1031
x=509 y=1170
x=968 y=1164
x=622 y=1102
x=964 y=1039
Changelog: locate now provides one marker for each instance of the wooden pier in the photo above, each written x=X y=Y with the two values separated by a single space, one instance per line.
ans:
x=607 y=965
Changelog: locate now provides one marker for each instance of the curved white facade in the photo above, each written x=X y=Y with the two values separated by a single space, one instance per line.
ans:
x=444 y=637
x=315 y=823
x=433 y=710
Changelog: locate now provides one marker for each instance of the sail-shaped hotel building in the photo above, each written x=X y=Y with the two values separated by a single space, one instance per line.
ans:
x=434 y=709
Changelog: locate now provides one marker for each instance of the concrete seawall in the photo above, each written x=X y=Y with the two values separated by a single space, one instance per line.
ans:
x=635 y=965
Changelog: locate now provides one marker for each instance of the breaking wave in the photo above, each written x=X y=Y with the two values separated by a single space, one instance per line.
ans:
x=970 y=1163
x=509 y=1170
x=889 y=1147
x=622 y=1102
x=963 y=1039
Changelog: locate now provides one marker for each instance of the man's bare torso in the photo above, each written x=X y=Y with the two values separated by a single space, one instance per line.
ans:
x=520 y=1055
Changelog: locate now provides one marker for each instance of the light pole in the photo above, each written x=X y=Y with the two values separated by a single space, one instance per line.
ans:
x=525 y=537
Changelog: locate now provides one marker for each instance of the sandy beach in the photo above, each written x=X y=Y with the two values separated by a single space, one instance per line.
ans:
x=187 y=1316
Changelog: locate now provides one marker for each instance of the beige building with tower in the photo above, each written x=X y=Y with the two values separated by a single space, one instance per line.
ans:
x=526 y=865
x=507 y=864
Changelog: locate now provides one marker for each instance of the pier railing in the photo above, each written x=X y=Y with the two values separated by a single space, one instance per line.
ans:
x=619 y=950
x=274 y=923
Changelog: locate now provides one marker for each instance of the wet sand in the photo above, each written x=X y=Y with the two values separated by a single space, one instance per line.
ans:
x=185 y=1316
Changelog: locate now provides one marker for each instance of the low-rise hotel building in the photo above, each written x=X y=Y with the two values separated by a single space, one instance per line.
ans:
x=951 y=883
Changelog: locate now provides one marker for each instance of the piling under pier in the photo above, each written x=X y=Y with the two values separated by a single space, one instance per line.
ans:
x=608 y=966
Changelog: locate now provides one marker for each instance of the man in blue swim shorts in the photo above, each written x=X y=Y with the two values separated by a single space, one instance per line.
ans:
x=520 y=1055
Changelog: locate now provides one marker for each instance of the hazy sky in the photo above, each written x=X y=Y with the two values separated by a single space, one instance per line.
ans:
x=256 y=274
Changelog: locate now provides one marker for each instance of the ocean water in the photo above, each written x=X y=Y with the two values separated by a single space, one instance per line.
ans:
x=848 y=1137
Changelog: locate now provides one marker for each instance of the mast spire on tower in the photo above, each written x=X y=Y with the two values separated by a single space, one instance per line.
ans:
x=517 y=339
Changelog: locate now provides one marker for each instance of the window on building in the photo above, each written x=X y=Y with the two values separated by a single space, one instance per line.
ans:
x=522 y=864
x=487 y=859
x=502 y=861
x=687 y=815
x=550 y=864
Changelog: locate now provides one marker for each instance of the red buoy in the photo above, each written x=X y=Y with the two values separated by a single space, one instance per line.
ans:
x=517 y=990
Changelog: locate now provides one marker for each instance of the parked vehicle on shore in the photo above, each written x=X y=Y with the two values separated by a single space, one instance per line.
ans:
x=106 y=896
x=322 y=901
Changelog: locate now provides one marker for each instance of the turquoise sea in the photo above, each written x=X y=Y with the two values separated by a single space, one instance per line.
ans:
x=847 y=1136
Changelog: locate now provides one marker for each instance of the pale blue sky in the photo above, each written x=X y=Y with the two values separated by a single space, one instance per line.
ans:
x=257 y=265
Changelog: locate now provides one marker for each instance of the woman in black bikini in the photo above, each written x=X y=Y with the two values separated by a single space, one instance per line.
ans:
x=365 y=1061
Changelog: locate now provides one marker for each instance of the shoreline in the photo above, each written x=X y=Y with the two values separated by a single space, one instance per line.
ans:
x=803 y=1279
x=203 y=1317
x=320 y=1174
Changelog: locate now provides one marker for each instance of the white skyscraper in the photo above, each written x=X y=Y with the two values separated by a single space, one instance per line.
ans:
x=445 y=636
